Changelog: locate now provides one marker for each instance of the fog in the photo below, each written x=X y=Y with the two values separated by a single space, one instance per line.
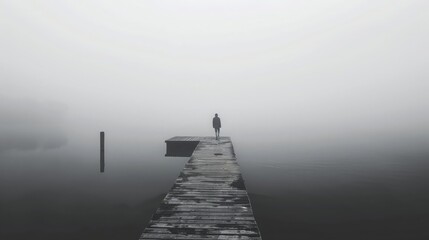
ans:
x=294 y=82
x=272 y=69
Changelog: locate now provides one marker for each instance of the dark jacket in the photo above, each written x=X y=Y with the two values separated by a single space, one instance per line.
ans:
x=216 y=122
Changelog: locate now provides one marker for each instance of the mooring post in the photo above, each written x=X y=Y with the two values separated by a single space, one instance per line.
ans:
x=101 y=151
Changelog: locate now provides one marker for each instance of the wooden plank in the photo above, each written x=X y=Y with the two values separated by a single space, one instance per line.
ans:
x=205 y=221
x=201 y=213
x=201 y=231
x=209 y=199
x=196 y=237
x=202 y=218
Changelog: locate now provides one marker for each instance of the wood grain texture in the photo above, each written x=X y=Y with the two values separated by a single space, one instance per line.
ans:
x=208 y=200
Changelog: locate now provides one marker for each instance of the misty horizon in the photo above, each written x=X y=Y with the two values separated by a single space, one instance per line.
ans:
x=321 y=99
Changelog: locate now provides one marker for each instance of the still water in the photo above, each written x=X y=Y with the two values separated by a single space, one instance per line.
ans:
x=306 y=193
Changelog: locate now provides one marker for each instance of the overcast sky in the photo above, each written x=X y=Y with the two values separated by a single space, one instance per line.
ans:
x=308 y=69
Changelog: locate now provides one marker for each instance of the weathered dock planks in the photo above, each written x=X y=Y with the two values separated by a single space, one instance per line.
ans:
x=209 y=199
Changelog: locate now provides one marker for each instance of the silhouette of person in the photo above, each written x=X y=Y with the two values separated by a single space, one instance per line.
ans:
x=216 y=125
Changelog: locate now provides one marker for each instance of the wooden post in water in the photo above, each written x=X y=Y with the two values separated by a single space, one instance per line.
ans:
x=101 y=151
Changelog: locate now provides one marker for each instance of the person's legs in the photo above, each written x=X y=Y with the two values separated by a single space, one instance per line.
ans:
x=217 y=132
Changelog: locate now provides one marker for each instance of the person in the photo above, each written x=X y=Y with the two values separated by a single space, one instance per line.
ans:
x=216 y=125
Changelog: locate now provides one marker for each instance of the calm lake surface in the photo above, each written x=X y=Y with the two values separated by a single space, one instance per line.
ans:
x=306 y=193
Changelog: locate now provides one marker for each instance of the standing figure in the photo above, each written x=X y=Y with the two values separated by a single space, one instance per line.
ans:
x=216 y=125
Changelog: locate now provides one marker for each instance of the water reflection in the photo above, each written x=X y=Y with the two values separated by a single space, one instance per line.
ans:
x=56 y=193
x=366 y=197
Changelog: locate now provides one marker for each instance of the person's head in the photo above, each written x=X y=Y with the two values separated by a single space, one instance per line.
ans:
x=215 y=114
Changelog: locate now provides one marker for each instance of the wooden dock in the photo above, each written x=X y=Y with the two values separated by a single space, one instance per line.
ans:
x=209 y=199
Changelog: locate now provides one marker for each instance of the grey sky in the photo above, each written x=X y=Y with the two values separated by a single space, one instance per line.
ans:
x=308 y=69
